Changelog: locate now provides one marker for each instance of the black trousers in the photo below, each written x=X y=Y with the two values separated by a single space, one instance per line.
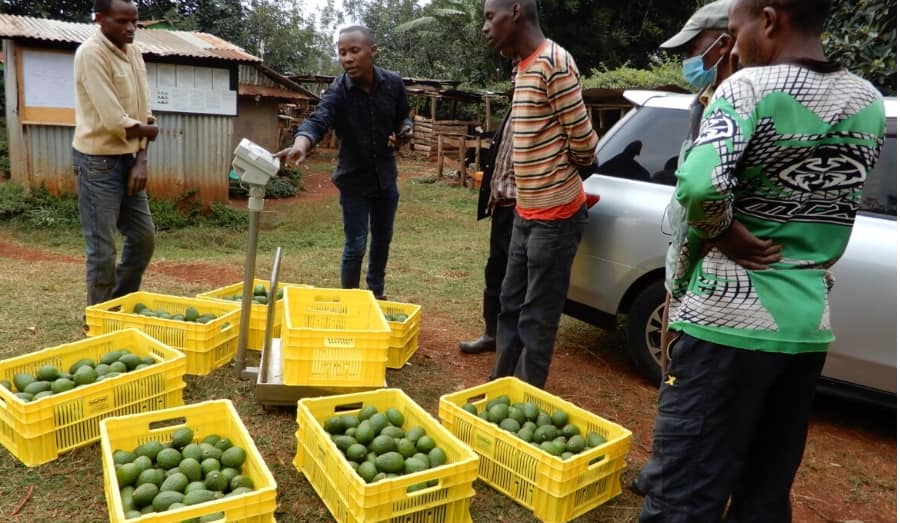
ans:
x=731 y=423
x=495 y=268
x=534 y=294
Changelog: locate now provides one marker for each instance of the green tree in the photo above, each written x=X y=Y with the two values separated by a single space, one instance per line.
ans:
x=72 y=10
x=612 y=34
x=862 y=35
x=226 y=19
x=284 y=37
x=598 y=34
x=404 y=53
x=461 y=53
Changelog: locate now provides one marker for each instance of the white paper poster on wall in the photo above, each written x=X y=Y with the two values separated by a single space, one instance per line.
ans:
x=49 y=78
x=49 y=81
x=190 y=89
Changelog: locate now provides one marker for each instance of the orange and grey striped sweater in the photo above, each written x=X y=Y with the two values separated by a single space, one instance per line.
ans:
x=552 y=133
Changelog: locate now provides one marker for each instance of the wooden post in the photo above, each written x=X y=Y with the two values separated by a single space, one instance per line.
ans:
x=18 y=152
x=440 y=155
x=478 y=152
x=488 y=122
x=433 y=98
x=461 y=155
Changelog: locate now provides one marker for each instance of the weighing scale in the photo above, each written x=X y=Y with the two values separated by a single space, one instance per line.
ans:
x=255 y=167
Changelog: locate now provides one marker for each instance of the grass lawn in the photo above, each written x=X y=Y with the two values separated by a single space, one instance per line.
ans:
x=436 y=260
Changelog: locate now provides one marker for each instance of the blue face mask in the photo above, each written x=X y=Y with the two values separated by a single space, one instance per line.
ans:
x=696 y=75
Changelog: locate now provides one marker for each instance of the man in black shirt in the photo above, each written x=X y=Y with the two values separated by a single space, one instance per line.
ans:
x=369 y=111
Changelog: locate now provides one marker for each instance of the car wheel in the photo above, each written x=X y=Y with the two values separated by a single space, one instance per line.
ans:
x=643 y=329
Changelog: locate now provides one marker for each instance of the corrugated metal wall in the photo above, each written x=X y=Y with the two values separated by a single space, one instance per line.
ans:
x=50 y=157
x=192 y=153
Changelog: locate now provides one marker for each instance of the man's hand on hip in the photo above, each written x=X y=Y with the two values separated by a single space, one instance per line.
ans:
x=745 y=249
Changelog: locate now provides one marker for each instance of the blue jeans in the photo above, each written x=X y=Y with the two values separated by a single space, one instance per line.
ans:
x=533 y=295
x=361 y=214
x=105 y=207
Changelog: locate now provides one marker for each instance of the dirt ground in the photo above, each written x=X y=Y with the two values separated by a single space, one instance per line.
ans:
x=849 y=471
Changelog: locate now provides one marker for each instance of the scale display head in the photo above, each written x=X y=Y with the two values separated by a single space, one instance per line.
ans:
x=254 y=164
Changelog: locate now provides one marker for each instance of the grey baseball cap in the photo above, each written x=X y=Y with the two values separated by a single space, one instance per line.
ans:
x=713 y=15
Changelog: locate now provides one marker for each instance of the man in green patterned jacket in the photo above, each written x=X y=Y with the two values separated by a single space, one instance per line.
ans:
x=770 y=190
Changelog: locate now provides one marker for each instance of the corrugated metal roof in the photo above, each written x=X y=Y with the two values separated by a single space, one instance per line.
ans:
x=271 y=92
x=158 y=42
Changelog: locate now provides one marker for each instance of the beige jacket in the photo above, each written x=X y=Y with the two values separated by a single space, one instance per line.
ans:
x=111 y=95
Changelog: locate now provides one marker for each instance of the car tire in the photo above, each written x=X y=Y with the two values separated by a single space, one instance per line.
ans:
x=643 y=329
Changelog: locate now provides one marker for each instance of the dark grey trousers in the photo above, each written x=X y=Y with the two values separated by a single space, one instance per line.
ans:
x=495 y=267
x=533 y=295
x=732 y=423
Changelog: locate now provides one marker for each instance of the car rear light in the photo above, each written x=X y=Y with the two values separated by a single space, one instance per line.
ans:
x=591 y=199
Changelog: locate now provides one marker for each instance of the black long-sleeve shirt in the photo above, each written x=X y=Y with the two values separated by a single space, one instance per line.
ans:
x=363 y=122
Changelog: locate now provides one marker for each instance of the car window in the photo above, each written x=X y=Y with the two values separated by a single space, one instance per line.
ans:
x=646 y=148
x=880 y=190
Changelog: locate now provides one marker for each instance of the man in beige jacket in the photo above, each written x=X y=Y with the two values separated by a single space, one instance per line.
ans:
x=113 y=127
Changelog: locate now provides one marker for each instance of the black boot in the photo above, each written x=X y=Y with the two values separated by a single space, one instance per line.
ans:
x=483 y=344
x=487 y=342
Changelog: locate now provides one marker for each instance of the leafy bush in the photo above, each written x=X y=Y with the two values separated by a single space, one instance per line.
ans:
x=663 y=72
x=167 y=216
x=221 y=215
x=4 y=147
x=4 y=142
x=288 y=182
x=862 y=36
x=13 y=200
x=44 y=210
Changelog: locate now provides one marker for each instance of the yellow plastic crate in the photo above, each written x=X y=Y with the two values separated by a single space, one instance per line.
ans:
x=404 y=340
x=257 y=332
x=207 y=346
x=37 y=432
x=350 y=499
x=556 y=491
x=333 y=337
x=210 y=417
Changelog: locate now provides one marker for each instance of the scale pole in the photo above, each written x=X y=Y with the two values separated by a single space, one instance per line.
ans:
x=270 y=317
x=255 y=205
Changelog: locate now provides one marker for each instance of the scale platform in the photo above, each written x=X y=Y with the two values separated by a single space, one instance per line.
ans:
x=270 y=391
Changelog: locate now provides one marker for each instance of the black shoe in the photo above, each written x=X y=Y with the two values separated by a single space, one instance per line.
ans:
x=483 y=344
x=635 y=487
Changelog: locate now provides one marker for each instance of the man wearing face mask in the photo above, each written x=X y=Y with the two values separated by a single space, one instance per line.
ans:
x=705 y=43
x=770 y=188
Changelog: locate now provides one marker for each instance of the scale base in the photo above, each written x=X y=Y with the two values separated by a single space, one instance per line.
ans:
x=273 y=392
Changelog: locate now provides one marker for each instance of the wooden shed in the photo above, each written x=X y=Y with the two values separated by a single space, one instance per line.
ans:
x=197 y=95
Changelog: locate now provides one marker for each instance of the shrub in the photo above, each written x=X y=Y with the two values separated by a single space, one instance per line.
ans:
x=13 y=200
x=288 y=182
x=862 y=36
x=44 y=210
x=663 y=72
x=221 y=215
x=167 y=216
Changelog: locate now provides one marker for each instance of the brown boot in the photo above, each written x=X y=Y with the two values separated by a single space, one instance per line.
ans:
x=483 y=344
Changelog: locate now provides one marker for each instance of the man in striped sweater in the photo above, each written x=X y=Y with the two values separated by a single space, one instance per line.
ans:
x=552 y=137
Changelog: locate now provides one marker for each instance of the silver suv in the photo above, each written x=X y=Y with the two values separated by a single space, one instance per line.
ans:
x=620 y=264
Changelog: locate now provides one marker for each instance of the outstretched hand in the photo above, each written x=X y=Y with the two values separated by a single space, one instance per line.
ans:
x=296 y=154
x=745 y=249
